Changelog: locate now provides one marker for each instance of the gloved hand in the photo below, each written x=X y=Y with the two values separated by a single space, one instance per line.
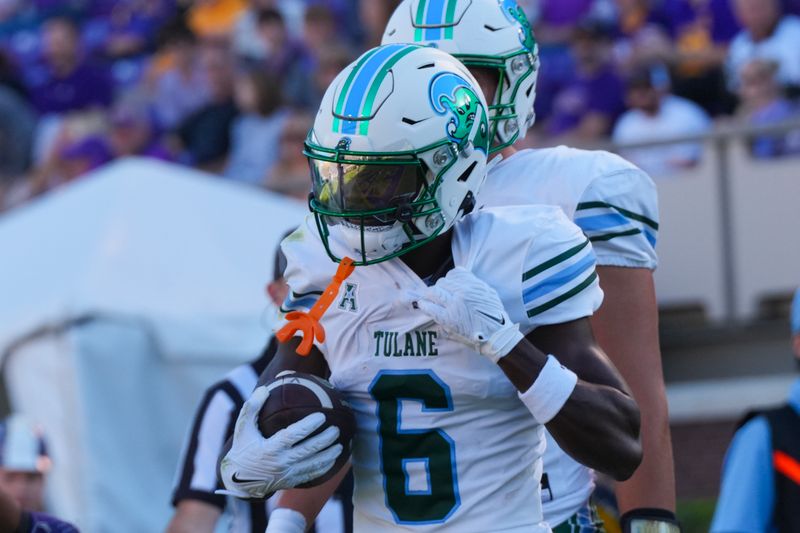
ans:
x=255 y=466
x=470 y=311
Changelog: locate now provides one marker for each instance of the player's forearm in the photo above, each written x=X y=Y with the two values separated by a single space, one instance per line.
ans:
x=599 y=427
x=194 y=516
x=634 y=350
x=598 y=424
x=309 y=502
x=287 y=359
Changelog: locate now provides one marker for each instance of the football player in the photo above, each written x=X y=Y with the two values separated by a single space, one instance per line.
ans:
x=439 y=337
x=613 y=202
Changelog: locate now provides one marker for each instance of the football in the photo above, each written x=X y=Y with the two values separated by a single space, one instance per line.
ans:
x=294 y=396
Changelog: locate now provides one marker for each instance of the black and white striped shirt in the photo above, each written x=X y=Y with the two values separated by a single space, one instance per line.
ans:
x=213 y=425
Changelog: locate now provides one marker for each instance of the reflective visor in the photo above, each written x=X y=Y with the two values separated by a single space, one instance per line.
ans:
x=351 y=188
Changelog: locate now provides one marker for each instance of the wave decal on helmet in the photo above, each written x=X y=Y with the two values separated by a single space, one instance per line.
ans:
x=514 y=13
x=451 y=93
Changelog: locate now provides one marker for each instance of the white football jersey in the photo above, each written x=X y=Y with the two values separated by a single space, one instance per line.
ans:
x=616 y=205
x=443 y=442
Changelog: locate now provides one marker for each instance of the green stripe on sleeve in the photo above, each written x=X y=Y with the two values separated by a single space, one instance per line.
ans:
x=346 y=87
x=609 y=236
x=560 y=258
x=630 y=214
x=363 y=127
x=297 y=295
x=566 y=296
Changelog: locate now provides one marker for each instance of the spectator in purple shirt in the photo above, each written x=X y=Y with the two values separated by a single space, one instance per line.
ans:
x=133 y=131
x=642 y=34
x=66 y=82
x=701 y=31
x=585 y=108
x=763 y=103
x=557 y=18
x=181 y=88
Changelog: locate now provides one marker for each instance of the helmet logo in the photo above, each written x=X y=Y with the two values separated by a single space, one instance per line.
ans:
x=451 y=93
x=343 y=144
x=514 y=13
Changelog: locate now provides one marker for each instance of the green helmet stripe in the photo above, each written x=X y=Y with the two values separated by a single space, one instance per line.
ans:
x=376 y=85
x=448 y=19
x=420 y=20
x=346 y=88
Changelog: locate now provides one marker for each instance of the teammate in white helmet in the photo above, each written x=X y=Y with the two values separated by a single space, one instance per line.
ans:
x=613 y=202
x=439 y=336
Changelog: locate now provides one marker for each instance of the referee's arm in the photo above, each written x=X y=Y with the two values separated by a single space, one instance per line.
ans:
x=197 y=508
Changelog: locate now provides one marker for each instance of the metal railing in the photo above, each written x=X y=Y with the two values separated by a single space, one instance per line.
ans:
x=719 y=145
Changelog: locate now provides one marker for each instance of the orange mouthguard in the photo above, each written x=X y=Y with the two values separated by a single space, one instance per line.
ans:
x=308 y=323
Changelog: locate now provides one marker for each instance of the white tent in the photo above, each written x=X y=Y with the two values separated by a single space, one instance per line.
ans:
x=121 y=297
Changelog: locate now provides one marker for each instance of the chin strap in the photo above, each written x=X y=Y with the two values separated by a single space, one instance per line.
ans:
x=308 y=323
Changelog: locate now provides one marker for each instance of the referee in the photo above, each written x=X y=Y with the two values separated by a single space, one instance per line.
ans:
x=197 y=507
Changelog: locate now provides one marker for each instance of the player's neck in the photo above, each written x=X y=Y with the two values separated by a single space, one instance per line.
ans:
x=506 y=152
x=427 y=260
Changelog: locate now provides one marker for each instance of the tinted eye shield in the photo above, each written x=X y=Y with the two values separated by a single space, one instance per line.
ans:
x=369 y=188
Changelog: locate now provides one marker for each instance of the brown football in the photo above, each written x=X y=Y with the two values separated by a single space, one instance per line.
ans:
x=294 y=396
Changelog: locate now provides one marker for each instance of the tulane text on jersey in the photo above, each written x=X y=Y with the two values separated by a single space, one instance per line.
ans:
x=412 y=344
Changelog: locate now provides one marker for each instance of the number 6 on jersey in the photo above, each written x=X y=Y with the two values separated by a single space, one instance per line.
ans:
x=418 y=465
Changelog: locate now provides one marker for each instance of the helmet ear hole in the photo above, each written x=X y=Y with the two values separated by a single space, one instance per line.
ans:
x=468 y=204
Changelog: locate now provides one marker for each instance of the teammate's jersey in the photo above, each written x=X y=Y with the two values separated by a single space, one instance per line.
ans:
x=616 y=205
x=443 y=441
x=613 y=201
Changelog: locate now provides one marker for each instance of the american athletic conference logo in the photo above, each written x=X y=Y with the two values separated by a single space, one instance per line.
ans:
x=349 y=301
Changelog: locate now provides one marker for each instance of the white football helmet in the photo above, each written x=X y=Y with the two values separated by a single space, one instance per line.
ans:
x=398 y=151
x=480 y=33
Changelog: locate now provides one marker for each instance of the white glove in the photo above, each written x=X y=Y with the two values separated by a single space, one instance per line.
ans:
x=256 y=467
x=469 y=311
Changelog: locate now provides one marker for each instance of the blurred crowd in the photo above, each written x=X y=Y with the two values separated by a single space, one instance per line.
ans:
x=227 y=86
x=646 y=70
x=230 y=86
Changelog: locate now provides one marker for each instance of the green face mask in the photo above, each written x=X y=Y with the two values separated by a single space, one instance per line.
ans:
x=384 y=197
x=502 y=111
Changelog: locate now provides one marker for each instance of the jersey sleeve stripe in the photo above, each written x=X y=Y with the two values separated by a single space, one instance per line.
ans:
x=601 y=222
x=566 y=296
x=554 y=261
x=630 y=214
x=559 y=279
x=291 y=304
x=303 y=294
x=614 y=234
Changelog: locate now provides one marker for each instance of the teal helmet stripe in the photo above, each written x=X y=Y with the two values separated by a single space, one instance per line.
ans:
x=434 y=18
x=361 y=83
x=431 y=15
x=419 y=20
x=376 y=85
x=449 y=16
x=339 y=109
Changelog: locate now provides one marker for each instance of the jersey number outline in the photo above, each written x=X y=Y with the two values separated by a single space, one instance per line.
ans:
x=398 y=447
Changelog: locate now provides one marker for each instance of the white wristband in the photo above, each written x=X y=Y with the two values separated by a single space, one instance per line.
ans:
x=283 y=520
x=551 y=390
